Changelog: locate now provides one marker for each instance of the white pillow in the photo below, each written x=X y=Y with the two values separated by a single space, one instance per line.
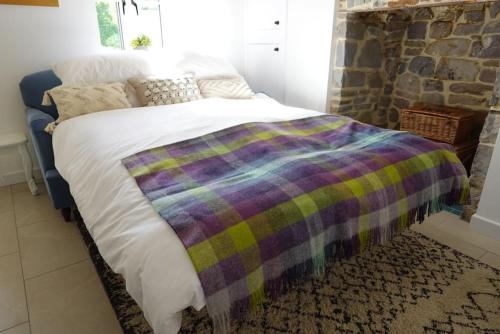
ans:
x=112 y=67
x=206 y=67
x=118 y=66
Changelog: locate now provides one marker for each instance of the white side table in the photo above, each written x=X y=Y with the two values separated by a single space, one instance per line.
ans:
x=19 y=140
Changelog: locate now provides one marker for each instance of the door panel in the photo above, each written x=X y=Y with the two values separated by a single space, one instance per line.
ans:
x=266 y=14
x=264 y=37
x=265 y=69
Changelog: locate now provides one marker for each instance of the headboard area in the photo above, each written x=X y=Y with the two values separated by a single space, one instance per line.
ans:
x=33 y=87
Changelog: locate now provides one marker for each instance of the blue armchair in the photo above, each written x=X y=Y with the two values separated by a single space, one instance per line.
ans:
x=32 y=88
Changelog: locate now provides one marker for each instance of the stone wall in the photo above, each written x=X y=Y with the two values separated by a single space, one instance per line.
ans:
x=450 y=55
x=358 y=77
x=395 y=33
x=377 y=5
x=390 y=60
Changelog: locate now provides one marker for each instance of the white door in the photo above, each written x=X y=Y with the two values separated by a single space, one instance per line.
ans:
x=265 y=70
x=265 y=46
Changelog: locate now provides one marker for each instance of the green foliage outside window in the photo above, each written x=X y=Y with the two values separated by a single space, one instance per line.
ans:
x=108 y=27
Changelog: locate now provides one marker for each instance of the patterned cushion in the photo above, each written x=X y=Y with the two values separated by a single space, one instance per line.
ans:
x=227 y=88
x=154 y=92
x=76 y=101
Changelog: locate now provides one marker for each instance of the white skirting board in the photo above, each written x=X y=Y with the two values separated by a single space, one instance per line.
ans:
x=486 y=226
x=18 y=177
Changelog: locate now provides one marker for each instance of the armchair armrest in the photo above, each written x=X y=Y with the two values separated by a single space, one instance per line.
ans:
x=42 y=141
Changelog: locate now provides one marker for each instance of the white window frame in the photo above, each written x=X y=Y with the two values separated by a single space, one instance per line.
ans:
x=119 y=14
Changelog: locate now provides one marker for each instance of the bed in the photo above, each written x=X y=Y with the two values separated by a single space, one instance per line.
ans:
x=88 y=153
x=132 y=238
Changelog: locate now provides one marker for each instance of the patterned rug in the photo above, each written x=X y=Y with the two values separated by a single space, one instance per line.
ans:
x=409 y=285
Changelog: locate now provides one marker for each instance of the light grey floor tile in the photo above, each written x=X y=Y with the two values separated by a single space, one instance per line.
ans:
x=47 y=246
x=31 y=209
x=449 y=240
x=454 y=226
x=8 y=233
x=13 y=309
x=70 y=300
x=491 y=259
x=6 y=199
x=21 y=329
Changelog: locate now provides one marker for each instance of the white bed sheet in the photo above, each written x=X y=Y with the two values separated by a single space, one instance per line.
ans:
x=132 y=238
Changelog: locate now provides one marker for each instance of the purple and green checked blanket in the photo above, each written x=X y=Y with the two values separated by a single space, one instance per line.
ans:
x=261 y=205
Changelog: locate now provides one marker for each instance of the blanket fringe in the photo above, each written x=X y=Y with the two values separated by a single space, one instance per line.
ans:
x=222 y=323
x=337 y=250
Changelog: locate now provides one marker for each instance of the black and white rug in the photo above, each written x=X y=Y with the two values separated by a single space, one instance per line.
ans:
x=409 y=285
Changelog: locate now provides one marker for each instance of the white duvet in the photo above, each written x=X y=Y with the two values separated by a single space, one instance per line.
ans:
x=132 y=238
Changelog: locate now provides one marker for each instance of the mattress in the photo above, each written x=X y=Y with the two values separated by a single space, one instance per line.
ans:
x=132 y=238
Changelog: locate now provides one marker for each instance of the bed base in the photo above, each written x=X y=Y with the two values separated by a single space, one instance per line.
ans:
x=70 y=214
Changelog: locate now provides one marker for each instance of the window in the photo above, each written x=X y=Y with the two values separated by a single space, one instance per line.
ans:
x=120 y=22
x=109 y=29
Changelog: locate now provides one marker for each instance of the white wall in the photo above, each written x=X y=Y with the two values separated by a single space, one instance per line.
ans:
x=31 y=39
x=487 y=218
x=308 y=50
x=213 y=27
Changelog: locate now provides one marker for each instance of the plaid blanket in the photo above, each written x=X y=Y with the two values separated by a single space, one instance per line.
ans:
x=261 y=205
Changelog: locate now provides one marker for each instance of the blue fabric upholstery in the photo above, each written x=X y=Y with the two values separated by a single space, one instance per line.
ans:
x=37 y=116
x=37 y=121
x=58 y=190
x=34 y=85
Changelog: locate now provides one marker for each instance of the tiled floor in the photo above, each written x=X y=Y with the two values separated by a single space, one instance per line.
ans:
x=49 y=285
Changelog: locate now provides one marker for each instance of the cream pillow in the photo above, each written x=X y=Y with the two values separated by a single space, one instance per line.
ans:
x=76 y=101
x=154 y=92
x=227 y=88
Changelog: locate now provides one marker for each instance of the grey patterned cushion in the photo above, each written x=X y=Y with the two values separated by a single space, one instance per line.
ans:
x=154 y=92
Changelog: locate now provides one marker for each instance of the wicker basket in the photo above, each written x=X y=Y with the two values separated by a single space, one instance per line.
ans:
x=444 y=124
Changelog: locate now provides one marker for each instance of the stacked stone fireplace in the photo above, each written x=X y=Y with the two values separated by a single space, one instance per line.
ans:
x=390 y=59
